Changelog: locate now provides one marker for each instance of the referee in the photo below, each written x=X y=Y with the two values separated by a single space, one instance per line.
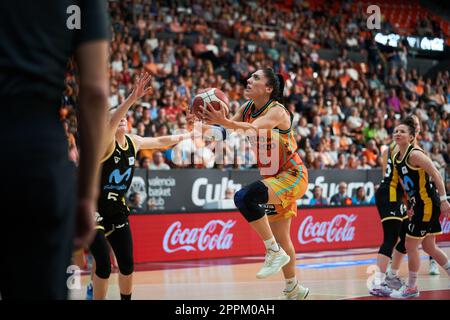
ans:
x=37 y=233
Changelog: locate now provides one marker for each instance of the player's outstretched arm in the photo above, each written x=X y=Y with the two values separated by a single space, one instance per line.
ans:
x=159 y=142
x=140 y=89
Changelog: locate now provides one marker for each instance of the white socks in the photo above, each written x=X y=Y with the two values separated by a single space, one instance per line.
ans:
x=391 y=273
x=447 y=267
x=271 y=244
x=412 y=279
x=379 y=278
x=290 y=283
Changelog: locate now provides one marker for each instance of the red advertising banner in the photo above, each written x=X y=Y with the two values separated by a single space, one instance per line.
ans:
x=172 y=237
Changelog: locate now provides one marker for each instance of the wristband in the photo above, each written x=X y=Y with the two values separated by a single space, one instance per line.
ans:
x=221 y=129
x=443 y=198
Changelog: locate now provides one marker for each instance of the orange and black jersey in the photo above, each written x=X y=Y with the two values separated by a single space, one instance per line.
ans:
x=116 y=176
x=273 y=148
x=390 y=181
x=421 y=192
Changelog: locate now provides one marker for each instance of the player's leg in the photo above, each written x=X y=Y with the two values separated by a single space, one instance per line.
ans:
x=281 y=230
x=122 y=244
x=391 y=230
x=100 y=251
x=247 y=200
x=400 y=249
x=430 y=247
x=410 y=290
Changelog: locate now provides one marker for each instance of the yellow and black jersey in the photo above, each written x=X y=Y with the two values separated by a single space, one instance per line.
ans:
x=116 y=175
x=421 y=192
x=390 y=182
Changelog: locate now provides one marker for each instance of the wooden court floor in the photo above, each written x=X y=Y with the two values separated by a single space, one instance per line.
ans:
x=331 y=275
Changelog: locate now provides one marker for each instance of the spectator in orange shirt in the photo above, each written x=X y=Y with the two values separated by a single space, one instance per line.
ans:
x=371 y=152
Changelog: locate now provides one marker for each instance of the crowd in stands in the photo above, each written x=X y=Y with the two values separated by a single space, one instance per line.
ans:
x=344 y=111
x=341 y=198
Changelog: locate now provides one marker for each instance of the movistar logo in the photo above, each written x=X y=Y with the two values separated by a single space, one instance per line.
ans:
x=117 y=177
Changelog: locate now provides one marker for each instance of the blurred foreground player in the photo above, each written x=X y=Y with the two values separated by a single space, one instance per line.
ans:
x=37 y=237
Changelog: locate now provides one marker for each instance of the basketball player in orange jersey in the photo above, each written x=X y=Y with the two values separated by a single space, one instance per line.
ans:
x=116 y=176
x=269 y=204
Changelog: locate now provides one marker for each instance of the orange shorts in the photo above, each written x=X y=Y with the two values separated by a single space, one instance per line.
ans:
x=289 y=185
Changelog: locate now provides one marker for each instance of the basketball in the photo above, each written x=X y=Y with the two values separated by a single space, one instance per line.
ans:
x=212 y=96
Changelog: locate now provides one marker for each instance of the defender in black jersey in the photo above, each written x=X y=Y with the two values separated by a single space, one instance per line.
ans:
x=423 y=198
x=427 y=199
x=112 y=216
x=388 y=199
x=389 y=195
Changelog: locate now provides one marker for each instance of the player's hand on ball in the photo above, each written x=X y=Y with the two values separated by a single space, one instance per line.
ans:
x=213 y=116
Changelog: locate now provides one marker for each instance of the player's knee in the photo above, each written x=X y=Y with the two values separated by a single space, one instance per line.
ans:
x=103 y=270
x=428 y=248
x=400 y=247
x=386 y=249
x=247 y=200
x=239 y=199
x=127 y=267
x=410 y=245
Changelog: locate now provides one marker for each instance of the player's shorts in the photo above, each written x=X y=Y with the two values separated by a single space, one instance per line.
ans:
x=418 y=228
x=109 y=224
x=289 y=185
x=389 y=210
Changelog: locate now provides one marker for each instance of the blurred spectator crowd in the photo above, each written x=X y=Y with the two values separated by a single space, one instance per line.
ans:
x=344 y=111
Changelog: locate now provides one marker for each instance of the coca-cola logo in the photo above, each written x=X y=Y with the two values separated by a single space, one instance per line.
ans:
x=339 y=229
x=213 y=236
x=445 y=225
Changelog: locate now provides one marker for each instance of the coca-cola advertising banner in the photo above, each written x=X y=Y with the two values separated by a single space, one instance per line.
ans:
x=193 y=190
x=227 y=234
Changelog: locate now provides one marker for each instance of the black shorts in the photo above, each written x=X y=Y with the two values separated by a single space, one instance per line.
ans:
x=419 y=229
x=386 y=209
x=110 y=223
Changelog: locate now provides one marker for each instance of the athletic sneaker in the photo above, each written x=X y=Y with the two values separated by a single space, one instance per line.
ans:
x=274 y=261
x=394 y=283
x=434 y=268
x=89 y=291
x=381 y=290
x=298 y=293
x=405 y=292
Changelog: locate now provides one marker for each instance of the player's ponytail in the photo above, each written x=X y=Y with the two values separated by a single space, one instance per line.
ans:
x=276 y=81
x=281 y=88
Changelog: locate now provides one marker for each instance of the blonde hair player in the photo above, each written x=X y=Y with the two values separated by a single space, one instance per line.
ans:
x=269 y=204
x=117 y=173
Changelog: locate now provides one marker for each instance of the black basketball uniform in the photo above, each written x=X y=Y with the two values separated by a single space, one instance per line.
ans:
x=388 y=197
x=422 y=198
x=117 y=173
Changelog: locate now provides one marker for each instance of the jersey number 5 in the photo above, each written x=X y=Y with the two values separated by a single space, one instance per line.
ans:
x=113 y=195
